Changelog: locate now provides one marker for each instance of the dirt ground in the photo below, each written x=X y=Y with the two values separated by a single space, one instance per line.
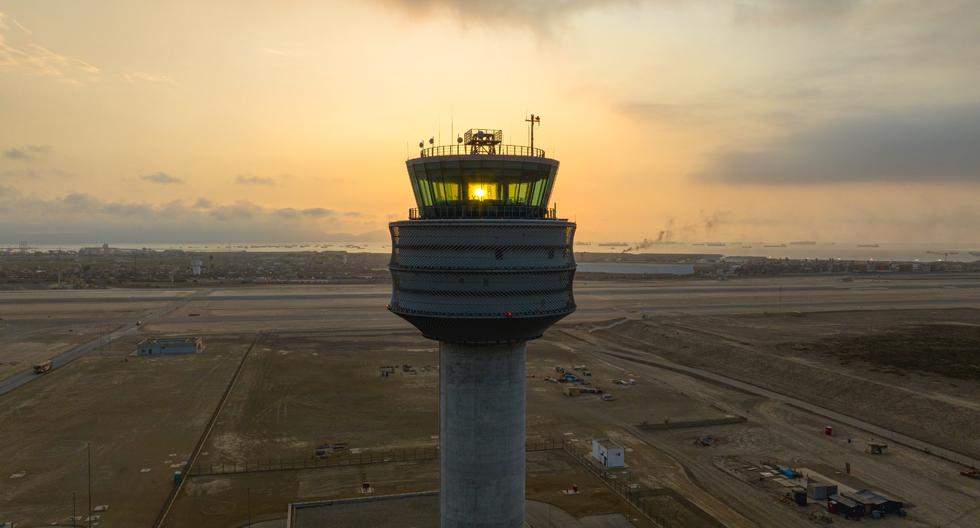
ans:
x=946 y=349
x=314 y=377
x=34 y=330
x=791 y=354
x=141 y=424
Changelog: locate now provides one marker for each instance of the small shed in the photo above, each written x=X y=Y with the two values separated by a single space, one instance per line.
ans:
x=608 y=454
x=844 y=506
x=819 y=490
x=165 y=346
x=873 y=502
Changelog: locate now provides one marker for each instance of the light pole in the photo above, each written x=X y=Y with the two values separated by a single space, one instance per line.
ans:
x=88 y=516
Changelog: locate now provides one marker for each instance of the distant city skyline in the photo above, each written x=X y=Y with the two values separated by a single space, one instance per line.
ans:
x=766 y=120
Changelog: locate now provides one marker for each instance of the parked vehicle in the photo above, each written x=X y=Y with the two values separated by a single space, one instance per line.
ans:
x=43 y=367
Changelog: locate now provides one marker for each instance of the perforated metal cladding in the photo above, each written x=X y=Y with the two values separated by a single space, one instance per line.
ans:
x=514 y=275
x=482 y=245
x=485 y=284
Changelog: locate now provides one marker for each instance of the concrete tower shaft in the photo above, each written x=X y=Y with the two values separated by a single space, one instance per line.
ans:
x=482 y=265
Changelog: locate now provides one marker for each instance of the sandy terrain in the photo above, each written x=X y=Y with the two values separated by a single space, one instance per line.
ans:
x=313 y=377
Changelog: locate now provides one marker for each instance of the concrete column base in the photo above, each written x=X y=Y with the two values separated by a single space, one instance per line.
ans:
x=481 y=410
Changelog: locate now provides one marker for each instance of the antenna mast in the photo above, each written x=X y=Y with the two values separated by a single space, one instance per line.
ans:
x=533 y=120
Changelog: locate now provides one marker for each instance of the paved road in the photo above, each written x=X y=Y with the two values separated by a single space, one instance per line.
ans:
x=354 y=308
x=362 y=307
x=348 y=307
x=16 y=380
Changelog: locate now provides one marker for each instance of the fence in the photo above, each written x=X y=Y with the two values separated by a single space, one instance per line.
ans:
x=664 y=517
x=343 y=459
x=478 y=150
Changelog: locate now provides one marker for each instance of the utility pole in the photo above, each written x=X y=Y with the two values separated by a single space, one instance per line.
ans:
x=73 y=514
x=248 y=505
x=533 y=120
x=629 y=489
x=88 y=516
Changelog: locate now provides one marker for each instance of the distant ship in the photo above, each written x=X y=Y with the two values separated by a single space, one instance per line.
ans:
x=774 y=245
x=975 y=253
x=867 y=245
x=583 y=243
x=610 y=244
x=715 y=244
x=803 y=243
x=948 y=253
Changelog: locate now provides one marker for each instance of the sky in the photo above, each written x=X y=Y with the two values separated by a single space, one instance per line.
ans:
x=130 y=121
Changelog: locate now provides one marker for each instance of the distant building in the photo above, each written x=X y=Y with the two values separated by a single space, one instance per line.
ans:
x=196 y=267
x=608 y=454
x=170 y=346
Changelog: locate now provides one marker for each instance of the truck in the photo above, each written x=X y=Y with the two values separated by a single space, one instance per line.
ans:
x=43 y=367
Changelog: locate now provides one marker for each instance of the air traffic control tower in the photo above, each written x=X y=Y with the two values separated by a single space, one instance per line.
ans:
x=483 y=265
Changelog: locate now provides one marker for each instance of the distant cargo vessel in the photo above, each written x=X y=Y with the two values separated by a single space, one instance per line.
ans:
x=803 y=243
x=868 y=245
x=613 y=244
x=715 y=244
x=774 y=245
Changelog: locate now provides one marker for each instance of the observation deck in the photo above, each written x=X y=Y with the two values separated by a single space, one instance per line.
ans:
x=482 y=258
x=481 y=178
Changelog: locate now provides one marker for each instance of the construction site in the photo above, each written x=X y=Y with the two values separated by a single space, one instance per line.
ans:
x=791 y=401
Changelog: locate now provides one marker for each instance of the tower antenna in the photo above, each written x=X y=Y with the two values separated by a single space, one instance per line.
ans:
x=533 y=120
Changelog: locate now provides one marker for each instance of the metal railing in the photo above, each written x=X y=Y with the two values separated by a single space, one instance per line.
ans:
x=482 y=211
x=481 y=150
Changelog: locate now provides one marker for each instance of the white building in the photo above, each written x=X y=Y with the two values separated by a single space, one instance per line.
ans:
x=608 y=454
x=169 y=346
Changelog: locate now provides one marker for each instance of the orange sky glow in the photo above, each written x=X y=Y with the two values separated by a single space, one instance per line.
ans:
x=766 y=120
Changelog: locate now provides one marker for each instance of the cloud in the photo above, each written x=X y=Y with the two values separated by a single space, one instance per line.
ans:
x=794 y=12
x=923 y=145
x=281 y=52
x=19 y=51
x=536 y=14
x=674 y=113
x=143 y=77
x=244 y=179
x=162 y=178
x=27 y=152
x=315 y=212
x=83 y=218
